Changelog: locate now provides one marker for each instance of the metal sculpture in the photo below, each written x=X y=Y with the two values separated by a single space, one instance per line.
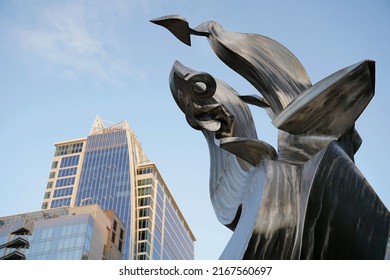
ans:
x=308 y=200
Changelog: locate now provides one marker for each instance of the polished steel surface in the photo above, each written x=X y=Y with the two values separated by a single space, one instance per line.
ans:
x=307 y=200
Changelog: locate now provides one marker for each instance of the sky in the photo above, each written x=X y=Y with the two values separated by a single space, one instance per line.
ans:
x=64 y=62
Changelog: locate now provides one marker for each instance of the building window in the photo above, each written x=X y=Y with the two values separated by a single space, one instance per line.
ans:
x=44 y=205
x=143 y=182
x=63 y=192
x=47 y=195
x=144 y=235
x=52 y=175
x=144 y=191
x=143 y=247
x=144 y=212
x=67 y=172
x=145 y=170
x=70 y=161
x=60 y=202
x=54 y=164
x=65 y=182
x=120 y=245
x=69 y=149
x=145 y=201
x=49 y=185
x=144 y=223
x=114 y=225
x=113 y=237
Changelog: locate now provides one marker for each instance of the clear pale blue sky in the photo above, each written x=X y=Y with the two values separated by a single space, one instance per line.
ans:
x=64 y=62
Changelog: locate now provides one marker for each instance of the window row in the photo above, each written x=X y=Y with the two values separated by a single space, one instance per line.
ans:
x=62 y=231
x=65 y=182
x=145 y=201
x=144 y=191
x=144 y=224
x=60 y=202
x=63 y=192
x=144 y=235
x=144 y=212
x=70 y=161
x=143 y=247
x=145 y=170
x=57 y=244
x=67 y=172
x=143 y=182
x=69 y=149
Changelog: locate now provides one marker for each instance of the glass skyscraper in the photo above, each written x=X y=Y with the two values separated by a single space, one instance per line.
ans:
x=109 y=168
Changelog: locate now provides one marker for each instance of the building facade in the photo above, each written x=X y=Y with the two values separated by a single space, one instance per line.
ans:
x=64 y=174
x=66 y=233
x=109 y=168
x=162 y=232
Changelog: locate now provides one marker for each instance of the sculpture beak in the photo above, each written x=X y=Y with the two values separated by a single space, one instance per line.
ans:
x=177 y=82
x=177 y=25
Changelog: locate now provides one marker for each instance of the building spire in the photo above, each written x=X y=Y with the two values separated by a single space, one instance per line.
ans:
x=97 y=125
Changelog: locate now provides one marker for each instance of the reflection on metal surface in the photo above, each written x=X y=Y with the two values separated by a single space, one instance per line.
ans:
x=308 y=200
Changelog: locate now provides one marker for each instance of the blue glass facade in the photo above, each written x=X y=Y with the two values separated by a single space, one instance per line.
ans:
x=105 y=177
x=177 y=242
x=63 y=239
x=62 y=234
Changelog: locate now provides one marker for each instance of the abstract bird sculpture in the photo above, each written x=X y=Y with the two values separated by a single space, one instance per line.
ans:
x=308 y=200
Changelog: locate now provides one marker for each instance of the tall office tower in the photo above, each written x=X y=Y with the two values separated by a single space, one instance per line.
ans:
x=109 y=168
